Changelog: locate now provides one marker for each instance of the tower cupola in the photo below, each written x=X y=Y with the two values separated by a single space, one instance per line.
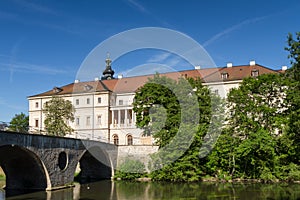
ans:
x=108 y=73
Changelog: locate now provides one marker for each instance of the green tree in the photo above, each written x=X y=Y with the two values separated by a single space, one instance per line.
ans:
x=177 y=114
x=157 y=109
x=58 y=113
x=256 y=119
x=258 y=103
x=222 y=160
x=19 y=123
x=294 y=96
x=294 y=54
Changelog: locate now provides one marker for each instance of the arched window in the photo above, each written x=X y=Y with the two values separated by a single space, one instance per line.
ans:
x=129 y=140
x=116 y=139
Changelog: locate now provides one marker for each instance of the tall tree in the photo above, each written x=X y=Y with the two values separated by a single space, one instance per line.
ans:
x=178 y=115
x=19 y=123
x=257 y=121
x=58 y=113
x=294 y=95
x=294 y=54
x=258 y=103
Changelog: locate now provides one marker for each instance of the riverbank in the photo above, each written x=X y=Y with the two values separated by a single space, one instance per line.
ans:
x=214 y=180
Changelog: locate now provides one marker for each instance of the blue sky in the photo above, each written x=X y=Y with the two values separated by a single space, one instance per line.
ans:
x=43 y=43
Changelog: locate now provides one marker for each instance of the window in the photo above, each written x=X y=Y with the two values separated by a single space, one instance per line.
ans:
x=99 y=99
x=216 y=92
x=36 y=123
x=116 y=139
x=88 y=120
x=77 y=121
x=88 y=101
x=254 y=73
x=224 y=75
x=129 y=140
x=36 y=104
x=120 y=102
x=77 y=101
x=88 y=87
x=99 y=119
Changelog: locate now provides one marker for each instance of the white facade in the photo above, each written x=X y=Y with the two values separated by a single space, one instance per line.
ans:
x=106 y=114
x=222 y=88
x=91 y=115
x=101 y=116
x=123 y=121
x=106 y=117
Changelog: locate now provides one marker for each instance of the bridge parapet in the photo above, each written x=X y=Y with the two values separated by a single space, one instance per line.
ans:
x=46 y=162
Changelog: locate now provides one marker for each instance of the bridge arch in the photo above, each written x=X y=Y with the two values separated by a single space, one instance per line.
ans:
x=95 y=165
x=23 y=169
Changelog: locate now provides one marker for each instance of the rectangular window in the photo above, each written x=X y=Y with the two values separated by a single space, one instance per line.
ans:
x=88 y=120
x=99 y=119
x=120 y=102
x=88 y=101
x=77 y=121
x=224 y=75
x=254 y=73
x=99 y=99
x=77 y=102
x=36 y=123
x=216 y=92
x=36 y=104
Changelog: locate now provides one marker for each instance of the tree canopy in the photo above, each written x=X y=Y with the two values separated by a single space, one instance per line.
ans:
x=19 y=123
x=293 y=95
x=58 y=112
x=178 y=115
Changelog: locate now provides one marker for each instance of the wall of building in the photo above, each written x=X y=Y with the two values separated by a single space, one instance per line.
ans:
x=138 y=152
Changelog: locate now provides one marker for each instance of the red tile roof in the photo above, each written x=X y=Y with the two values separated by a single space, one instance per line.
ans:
x=237 y=73
x=131 y=84
x=75 y=88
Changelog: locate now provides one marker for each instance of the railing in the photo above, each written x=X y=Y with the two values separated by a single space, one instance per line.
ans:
x=122 y=125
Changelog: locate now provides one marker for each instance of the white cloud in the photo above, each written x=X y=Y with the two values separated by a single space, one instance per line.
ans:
x=36 y=7
x=231 y=29
x=6 y=64
x=30 y=68
x=168 y=59
x=159 y=57
x=142 y=9
x=138 y=6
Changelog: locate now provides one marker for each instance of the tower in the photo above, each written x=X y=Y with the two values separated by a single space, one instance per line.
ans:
x=108 y=73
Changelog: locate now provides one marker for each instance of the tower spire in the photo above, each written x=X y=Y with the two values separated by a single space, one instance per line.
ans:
x=108 y=73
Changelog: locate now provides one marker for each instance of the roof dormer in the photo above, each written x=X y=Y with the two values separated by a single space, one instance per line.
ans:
x=254 y=72
x=224 y=75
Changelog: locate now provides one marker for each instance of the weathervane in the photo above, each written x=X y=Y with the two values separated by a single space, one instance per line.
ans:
x=108 y=60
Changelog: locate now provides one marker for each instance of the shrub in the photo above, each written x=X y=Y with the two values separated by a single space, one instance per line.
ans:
x=130 y=170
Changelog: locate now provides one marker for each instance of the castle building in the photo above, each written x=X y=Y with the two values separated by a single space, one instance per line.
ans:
x=103 y=108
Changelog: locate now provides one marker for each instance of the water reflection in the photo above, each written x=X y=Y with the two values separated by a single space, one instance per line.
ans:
x=107 y=190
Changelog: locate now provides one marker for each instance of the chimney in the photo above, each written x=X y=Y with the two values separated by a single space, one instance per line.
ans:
x=197 y=67
x=76 y=81
x=284 y=68
x=120 y=76
x=97 y=79
x=229 y=64
x=252 y=63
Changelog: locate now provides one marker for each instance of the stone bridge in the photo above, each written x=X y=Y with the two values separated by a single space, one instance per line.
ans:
x=39 y=162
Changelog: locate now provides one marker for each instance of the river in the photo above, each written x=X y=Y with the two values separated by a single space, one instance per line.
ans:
x=120 y=190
